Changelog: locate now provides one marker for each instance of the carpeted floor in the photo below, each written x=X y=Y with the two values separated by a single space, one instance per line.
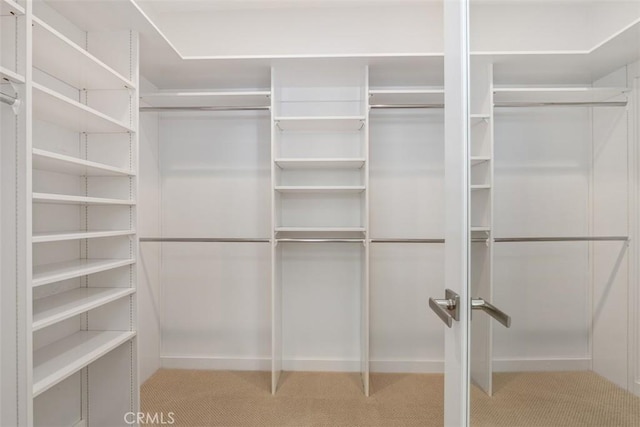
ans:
x=223 y=398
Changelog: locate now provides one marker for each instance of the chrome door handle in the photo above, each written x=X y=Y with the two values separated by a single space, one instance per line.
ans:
x=447 y=309
x=491 y=310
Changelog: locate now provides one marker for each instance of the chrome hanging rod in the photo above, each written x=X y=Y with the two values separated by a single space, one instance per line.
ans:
x=560 y=104
x=563 y=239
x=320 y=240
x=407 y=106
x=204 y=240
x=407 y=240
x=508 y=105
x=7 y=99
x=216 y=108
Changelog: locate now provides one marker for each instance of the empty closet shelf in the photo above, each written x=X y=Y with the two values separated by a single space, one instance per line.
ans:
x=480 y=186
x=53 y=107
x=61 y=359
x=54 y=162
x=476 y=160
x=56 y=272
x=320 y=230
x=60 y=236
x=58 y=56
x=333 y=123
x=338 y=163
x=56 y=308
x=77 y=200
x=319 y=189
x=10 y=8
x=11 y=76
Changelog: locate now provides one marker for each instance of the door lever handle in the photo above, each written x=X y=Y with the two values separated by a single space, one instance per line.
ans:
x=447 y=309
x=491 y=310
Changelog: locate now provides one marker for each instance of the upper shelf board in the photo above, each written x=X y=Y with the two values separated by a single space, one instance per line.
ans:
x=57 y=55
x=10 y=8
x=324 y=163
x=257 y=98
x=558 y=94
x=406 y=96
x=9 y=75
x=52 y=107
x=54 y=162
x=317 y=123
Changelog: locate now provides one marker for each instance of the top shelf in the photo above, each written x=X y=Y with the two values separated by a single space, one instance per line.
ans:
x=10 y=7
x=57 y=55
x=406 y=96
x=256 y=98
x=334 y=123
x=558 y=94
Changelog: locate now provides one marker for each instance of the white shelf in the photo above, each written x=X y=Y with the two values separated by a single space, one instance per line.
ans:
x=64 y=199
x=257 y=98
x=406 y=96
x=78 y=235
x=475 y=229
x=322 y=230
x=62 y=306
x=476 y=160
x=58 y=361
x=338 y=163
x=333 y=123
x=10 y=7
x=480 y=186
x=56 y=272
x=58 y=56
x=558 y=94
x=479 y=118
x=319 y=189
x=52 y=107
x=7 y=74
x=54 y=162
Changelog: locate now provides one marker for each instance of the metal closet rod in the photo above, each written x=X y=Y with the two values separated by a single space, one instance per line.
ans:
x=563 y=239
x=204 y=239
x=508 y=105
x=292 y=240
x=7 y=99
x=213 y=108
x=407 y=240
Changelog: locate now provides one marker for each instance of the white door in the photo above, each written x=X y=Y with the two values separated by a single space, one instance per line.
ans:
x=456 y=355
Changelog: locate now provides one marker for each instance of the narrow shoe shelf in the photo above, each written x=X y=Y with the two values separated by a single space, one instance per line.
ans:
x=61 y=359
x=54 y=162
x=59 y=236
x=56 y=308
x=58 y=271
x=66 y=199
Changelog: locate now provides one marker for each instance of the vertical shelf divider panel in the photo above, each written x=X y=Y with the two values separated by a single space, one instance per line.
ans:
x=366 y=271
x=276 y=282
x=481 y=165
x=82 y=282
x=16 y=404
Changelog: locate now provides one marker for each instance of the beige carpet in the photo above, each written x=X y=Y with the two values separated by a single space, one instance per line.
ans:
x=221 y=398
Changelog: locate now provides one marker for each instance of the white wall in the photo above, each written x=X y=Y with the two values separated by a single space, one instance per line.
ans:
x=542 y=162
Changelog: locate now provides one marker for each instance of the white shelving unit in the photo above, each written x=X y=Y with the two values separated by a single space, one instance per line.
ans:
x=320 y=195
x=83 y=164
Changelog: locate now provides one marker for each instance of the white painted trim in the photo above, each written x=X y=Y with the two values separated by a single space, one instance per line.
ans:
x=215 y=363
x=376 y=366
x=542 y=365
